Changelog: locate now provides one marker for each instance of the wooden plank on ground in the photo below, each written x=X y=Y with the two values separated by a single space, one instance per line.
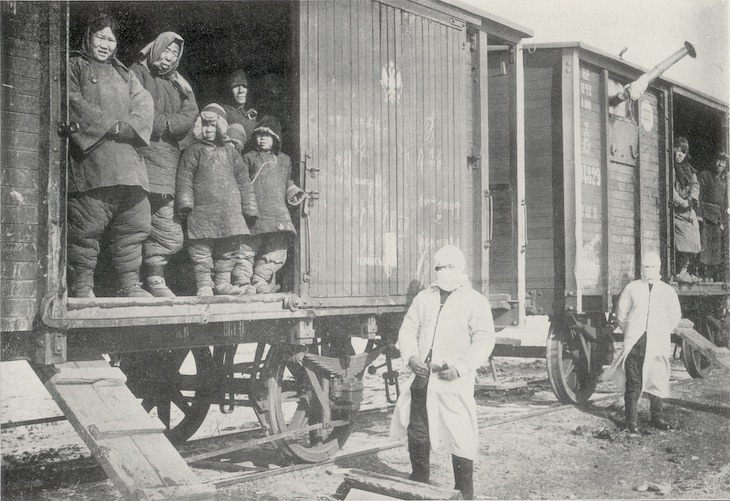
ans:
x=717 y=355
x=121 y=435
x=394 y=487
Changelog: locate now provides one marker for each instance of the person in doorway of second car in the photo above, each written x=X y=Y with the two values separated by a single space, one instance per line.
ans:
x=215 y=194
x=238 y=112
x=447 y=333
x=107 y=179
x=686 y=201
x=647 y=312
x=175 y=112
x=265 y=252
x=714 y=212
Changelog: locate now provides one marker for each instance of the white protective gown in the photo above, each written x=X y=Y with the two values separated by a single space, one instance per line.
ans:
x=658 y=314
x=464 y=340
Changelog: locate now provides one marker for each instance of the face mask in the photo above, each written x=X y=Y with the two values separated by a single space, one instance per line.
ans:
x=449 y=279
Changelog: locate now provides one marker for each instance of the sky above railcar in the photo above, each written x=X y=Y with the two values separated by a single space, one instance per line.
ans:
x=650 y=29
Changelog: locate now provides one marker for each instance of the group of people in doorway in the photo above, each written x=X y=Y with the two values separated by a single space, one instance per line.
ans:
x=700 y=205
x=151 y=173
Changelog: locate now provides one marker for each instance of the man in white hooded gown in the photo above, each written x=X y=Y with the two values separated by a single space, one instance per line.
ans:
x=446 y=335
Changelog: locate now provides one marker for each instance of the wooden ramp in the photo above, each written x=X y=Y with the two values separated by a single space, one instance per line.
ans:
x=717 y=355
x=127 y=442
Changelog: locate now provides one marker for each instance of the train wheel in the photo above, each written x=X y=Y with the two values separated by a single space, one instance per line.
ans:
x=695 y=362
x=179 y=391
x=567 y=366
x=291 y=404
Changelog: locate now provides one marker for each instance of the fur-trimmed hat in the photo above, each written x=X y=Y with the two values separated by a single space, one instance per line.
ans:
x=212 y=112
x=237 y=78
x=269 y=125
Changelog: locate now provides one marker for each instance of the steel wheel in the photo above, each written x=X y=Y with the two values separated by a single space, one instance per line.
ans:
x=567 y=367
x=291 y=404
x=178 y=389
x=698 y=365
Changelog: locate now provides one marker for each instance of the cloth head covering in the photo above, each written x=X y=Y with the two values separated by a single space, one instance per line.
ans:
x=153 y=50
x=237 y=78
x=212 y=112
x=451 y=262
x=98 y=23
x=683 y=172
x=269 y=125
x=654 y=264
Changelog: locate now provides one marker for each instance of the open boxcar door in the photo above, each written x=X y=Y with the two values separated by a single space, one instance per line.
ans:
x=382 y=147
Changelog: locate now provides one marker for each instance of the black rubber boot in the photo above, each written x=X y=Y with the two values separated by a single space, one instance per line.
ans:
x=657 y=413
x=463 y=476
x=632 y=414
x=420 y=453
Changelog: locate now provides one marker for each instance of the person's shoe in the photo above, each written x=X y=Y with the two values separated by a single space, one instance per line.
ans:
x=157 y=287
x=633 y=428
x=85 y=291
x=205 y=291
x=134 y=291
x=659 y=423
x=227 y=290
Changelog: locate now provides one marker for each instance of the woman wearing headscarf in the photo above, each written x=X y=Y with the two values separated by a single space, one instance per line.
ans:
x=175 y=114
x=107 y=181
x=685 y=200
x=447 y=333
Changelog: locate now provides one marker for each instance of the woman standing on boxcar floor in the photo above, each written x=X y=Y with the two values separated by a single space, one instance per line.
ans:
x=713 y=190
x=446 y=335
x=107 y=181
x=175 y=114
x=686 y=202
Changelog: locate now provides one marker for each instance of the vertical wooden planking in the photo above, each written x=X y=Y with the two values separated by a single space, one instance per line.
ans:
x=356 y=92
x=591 y=148
x=332 y=229
x=390 y=246
x=406 y=258
x=376 y=96
x=350 y=262
x=390 y=195
x=649 y=141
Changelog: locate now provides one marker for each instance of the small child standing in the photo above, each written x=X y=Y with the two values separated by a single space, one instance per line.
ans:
x=215 y=194
x=264 y=253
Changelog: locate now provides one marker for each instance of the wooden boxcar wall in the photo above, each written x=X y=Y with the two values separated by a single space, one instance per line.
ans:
x=383 y=120
x=27 y=35
x=543 y=161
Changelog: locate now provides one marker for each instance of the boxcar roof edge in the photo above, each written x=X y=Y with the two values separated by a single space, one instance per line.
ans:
x=685 y=89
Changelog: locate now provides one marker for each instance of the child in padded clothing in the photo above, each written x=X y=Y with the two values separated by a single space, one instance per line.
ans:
x=214 y=193
x=264 y=253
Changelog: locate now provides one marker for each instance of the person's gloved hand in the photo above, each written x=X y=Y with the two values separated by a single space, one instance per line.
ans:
x=184 y=211
x=448 y=373
x=418 y=367
x=121 y=132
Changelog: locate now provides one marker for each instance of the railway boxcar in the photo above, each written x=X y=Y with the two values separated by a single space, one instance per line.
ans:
x=391 y=115
x=598 y=188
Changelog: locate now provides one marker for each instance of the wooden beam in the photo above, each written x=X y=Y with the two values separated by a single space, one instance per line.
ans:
x=395 y=487
x=719 y=356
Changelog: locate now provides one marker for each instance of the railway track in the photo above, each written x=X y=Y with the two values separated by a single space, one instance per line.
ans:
x=232 y=458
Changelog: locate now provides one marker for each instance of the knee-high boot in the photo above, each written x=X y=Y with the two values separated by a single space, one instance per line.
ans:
x=463 y=476
x=656 y=406
x=420 y=453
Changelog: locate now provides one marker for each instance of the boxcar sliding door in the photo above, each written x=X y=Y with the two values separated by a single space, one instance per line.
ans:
x=382 y=145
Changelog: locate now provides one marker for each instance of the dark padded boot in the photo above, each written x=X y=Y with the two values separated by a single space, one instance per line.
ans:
x=420 y=453
x=657 y=413
x=632 y=415
x=463 y=476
